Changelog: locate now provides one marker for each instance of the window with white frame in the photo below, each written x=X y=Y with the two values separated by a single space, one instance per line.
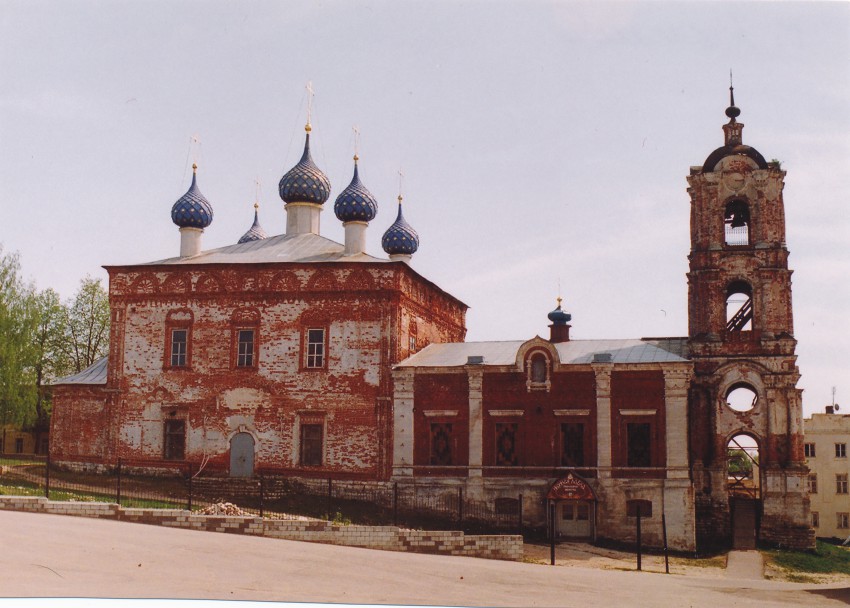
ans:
x=842 y=520
x=315 y=348
x=813 y=483
x=809 y=450
x=841 y=483
x=841 y=450
x=245 y=348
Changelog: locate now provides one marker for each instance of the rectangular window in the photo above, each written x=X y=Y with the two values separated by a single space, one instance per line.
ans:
x=179 y=347
x=506 y=448
x=175 y=440
x=311 y=445
x=412 y=344
x=441 y=444
x=813 y=483
x=842 y=520
x=572 y=444
x=245 y=348
x=639 y=444
x=809 y=449
x=841 y=450
x=315 y=348
x=815 y=519
x=841 y=483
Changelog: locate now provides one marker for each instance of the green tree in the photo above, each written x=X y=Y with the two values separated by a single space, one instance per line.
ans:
x=18 y=323
x=86 y=325
x=52 y=361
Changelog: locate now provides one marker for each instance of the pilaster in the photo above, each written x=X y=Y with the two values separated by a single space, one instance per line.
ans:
x=403 y=423
x=603 y=417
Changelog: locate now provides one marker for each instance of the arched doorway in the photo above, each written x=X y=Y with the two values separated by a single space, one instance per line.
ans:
x=743 y=475
x=242 y=455
x=575 y=508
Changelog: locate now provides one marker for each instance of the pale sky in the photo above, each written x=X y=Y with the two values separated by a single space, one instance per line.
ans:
x=540 y=142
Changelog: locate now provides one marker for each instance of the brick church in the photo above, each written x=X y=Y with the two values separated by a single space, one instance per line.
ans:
x=300 y=356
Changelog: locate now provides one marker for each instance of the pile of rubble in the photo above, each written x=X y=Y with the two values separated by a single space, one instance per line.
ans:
x=222 y=508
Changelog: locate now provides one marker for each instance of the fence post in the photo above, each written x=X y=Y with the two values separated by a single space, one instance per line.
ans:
x=460 y=505
x=395 y=503
x=118 y=485
x=47 y=477
x=330 y=490
x=638 y=538
x=262 y=496
x=519 y=515
x=552 y=533
x=189 y=505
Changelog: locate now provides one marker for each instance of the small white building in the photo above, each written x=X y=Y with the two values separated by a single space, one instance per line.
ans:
x=826 y=438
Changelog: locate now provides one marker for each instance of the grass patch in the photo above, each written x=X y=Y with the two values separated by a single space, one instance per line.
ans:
x=718 y=561
x=825 y=559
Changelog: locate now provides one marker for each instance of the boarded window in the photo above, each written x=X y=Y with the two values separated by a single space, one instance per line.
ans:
x=507 y=506
x=506 y=448
x=441 y=444
x=175 y=440
x=245 y=348
x=311 y=445
x=179 y=347
x=572 y=444
x=645 y=507
x=315 y=348
x=639 y=444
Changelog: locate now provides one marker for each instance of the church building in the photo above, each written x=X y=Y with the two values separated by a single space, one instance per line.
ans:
x=299 y=356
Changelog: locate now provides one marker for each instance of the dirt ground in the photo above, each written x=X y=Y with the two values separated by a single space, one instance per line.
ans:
x=584 y=555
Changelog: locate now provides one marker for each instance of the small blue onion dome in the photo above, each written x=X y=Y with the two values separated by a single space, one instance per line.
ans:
x=192 y=210
x=400 y=237
x=558 y=316
x=255 y=232
x=305 y=182
x=355 y=203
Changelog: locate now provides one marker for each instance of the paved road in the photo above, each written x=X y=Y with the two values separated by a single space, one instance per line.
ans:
x=53 y=555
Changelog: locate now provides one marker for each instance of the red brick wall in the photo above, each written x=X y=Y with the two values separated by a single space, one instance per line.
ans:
x=638 y=390
x=539 y=441
x=441 y=392
x=358 y=305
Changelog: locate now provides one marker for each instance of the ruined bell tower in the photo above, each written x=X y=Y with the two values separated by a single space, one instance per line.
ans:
x=745 y=412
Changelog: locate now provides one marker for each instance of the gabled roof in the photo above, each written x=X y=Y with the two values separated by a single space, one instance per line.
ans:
x=93 y=374
x=574 y=352
x=282 y=248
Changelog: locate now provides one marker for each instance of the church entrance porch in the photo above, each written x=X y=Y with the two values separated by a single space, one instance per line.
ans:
x=573 y=505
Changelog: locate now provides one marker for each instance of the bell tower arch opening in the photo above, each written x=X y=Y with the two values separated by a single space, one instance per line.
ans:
x=736 y=220
x=739 y=306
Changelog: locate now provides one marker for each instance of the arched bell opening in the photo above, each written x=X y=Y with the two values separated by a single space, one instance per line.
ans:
x=739 y=306
x=736 y=220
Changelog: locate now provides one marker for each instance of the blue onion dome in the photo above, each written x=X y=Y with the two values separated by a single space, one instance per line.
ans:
x=305 y=182
x=192 y=210
x=255 y=232
x=400 y=237
x=355 y=203
x=559 y=316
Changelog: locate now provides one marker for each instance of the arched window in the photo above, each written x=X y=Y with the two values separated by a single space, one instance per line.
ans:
x=739 y=306
x=538 y=369
x=737 y=223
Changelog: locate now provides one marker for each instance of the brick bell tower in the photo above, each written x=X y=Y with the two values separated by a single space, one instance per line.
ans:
x=745 y=412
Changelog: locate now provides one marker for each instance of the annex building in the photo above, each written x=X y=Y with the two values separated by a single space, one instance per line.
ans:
x=825 y=448
x=299 y=356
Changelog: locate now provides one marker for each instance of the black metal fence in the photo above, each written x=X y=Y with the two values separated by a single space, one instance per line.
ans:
x=147 y=484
